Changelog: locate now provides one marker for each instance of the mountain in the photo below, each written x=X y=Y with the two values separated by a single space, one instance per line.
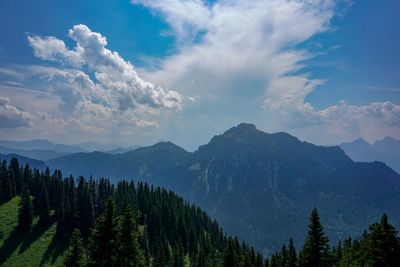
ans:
x=33 y=154
x=40 y=144
x=137 y=164
x=261 y=186
x=33 y=163
x=386 y=150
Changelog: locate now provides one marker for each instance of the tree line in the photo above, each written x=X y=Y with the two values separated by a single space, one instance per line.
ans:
x=379 y=246
x=136 y=224
x=127 y=223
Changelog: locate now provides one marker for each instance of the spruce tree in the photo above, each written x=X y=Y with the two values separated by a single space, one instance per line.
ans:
x=129 y=252
x=75 y=256
x=381 y=246
x=292 y=257
x=315 y=251
x=5 y=185
x=230 y=256
x=14 y=166
x=43 y=206
x=25 y=211
x=104 y=237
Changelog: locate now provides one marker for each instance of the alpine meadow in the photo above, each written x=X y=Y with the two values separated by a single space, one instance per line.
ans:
x=200 y=133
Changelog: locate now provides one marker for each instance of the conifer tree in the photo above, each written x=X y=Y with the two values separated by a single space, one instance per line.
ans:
x=292 y=257
x=104 y=237
x=6 y=190
x=14 y=166
x=129 y=252
x=25 y=211
x=75 y=256
x=230 y=256
x=380 y=246
x=42 y=204
x=284 y=256
x=315 y=251
x=27 y=175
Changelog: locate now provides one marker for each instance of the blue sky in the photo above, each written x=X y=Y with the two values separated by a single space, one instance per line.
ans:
x=139 y=72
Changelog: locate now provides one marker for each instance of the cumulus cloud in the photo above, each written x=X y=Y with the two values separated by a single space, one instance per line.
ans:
x=98 y=89
x=11 y=116
x=117 y=82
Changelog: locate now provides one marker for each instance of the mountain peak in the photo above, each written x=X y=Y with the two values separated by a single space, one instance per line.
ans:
x=360 y=140
x=242 y=128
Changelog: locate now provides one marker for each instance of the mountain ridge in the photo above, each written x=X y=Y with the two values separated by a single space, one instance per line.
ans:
x=385 y=150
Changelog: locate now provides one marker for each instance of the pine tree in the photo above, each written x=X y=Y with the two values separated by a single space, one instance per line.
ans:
x=292 y=257
x=25 y=211
x=380 y=246
x=85 y=207
x=315 y=251
x=104 y=237
x=43 y=206
x=129 y=252
x=284 y=256
x=230 y=256
x=5 y=189
x=14 y=166
x=75 y=256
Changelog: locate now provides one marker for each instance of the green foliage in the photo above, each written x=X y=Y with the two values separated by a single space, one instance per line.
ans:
x=25 y=213
x=379 y=246
x=43 y=206
x=129 y=252
x=75 y=255
x=103 y=249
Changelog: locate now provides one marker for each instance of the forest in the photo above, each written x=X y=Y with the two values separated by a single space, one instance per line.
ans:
x=100 y=223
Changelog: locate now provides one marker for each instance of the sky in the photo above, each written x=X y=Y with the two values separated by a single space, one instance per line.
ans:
x=143 y=71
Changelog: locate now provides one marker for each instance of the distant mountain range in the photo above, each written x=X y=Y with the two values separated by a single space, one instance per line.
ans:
x=40 y=144
x=39 y=154
x=138 y=164
x=259 y=186
x=386 y=150
x=40 y=149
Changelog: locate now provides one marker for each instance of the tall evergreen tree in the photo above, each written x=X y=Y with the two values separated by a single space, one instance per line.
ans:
x=380 y=245
x=315 y=251
x=14 y=166
x=85 y=207
x=103 y=240
x=292 y=257
x=129 y=252
x=75 y=256
x=230 y=256
x=25 y=211
x=5 y=185
x=42 y=204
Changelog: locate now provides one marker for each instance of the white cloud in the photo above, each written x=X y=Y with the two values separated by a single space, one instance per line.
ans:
x=117 y=82
x=11 y=116
x=117 y=97
x=233 y=52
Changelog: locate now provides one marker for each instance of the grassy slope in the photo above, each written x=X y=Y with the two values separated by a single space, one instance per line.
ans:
x=37 y=248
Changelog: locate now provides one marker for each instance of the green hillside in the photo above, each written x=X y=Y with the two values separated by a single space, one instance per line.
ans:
x=36 y=248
